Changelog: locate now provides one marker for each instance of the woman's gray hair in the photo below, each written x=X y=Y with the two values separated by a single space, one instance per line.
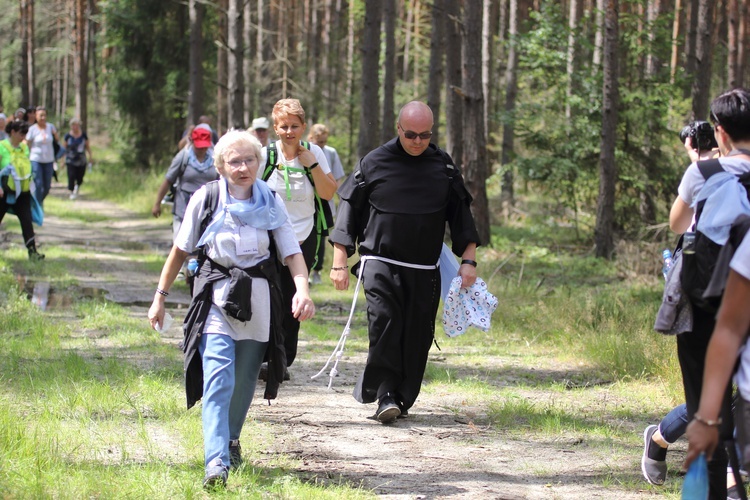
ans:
x=234 y=138
x=74 y=121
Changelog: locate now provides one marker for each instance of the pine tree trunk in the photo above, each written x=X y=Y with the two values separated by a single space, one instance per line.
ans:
x=247 y=64
x=436 y=78
x=453 y=72
x=368 y=123
x=389 y=73
x=80 y=63
x=703 y=53
x=221 y=69
x=511 y=91
x=675 y=41
x=605 y=209
x=733 y=19
x=475 y=150
x=234 y=64
x=195 y=62
x=574 y=17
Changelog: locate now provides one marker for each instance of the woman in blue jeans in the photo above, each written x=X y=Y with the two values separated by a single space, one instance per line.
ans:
x=42 y=153
x=228 y=327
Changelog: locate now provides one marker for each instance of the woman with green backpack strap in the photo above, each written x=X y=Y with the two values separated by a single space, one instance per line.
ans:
x=15 y=186
x=300 y=174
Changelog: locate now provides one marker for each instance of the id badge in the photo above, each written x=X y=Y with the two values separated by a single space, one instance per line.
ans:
x=247 y=240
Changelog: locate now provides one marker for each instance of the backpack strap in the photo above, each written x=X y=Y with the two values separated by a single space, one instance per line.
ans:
x=210 y=202
x=710 y=167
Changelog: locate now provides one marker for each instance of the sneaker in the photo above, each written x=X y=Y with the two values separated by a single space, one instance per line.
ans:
x=235 y=453
x=654 y=459
x=73 y=195
x=216 y=474
x=387 y=410
x=315 y=278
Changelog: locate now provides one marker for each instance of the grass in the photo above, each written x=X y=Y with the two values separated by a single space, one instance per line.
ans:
x=93 y=400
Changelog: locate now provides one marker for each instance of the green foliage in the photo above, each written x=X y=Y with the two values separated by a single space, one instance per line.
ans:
x=148 y=76
x=560 y=157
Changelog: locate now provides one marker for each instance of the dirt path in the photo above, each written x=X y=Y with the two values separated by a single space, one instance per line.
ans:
x=443 y=449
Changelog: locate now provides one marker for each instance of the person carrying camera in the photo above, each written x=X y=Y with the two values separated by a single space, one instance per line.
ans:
x=730 y=114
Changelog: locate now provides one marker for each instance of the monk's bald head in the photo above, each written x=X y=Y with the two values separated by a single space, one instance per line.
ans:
x=415 y=127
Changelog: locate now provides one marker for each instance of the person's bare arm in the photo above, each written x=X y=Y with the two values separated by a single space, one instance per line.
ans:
x=680 y=216
x=163 y=188
x=168 y=274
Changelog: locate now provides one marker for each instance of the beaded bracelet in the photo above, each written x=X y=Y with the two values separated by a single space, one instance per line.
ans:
x=343 y=268
x=709 y=423
x=161 y=292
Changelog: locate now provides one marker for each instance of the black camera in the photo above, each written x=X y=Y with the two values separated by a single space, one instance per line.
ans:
x=701 y=136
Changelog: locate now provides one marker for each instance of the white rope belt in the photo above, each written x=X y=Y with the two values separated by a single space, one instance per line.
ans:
x=338 y=351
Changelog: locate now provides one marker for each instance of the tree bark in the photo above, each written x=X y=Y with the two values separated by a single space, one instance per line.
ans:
x=453 y=91
x=234 y=64
x=605 y=209
x=733 y=19
x=691 y=41
x=389 y=73
x=574 y=17
x=475 y=150
x=511 y=91
x=195 y=86
x=221 y=69
x=596 y=59
x=675 y=39
x=368 y=123
x=435 y=80
x=703 y=52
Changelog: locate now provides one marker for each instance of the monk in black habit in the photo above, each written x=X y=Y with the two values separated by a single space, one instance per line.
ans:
x=394 y=207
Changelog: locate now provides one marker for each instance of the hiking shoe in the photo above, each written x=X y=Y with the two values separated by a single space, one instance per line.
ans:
x=235 y=453
x=388 y=410
x=654 y=459
x=315 y=278
x=216 y=474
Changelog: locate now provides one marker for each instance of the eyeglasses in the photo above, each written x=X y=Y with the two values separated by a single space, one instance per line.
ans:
x=236 y=164
x=411 y=135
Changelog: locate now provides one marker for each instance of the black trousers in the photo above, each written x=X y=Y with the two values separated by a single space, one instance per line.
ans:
x=22 y=207
x=75 y=175
x=401 y=306
x=691 y=352
x=291 y=325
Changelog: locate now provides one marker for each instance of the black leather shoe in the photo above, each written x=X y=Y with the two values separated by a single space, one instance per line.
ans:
x=388 y=410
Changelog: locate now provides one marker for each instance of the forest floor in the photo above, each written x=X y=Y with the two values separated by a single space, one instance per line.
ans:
x=445 y=448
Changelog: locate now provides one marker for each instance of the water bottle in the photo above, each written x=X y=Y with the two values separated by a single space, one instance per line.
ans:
x=695 y=486
x=666 y=256
x=192 y=267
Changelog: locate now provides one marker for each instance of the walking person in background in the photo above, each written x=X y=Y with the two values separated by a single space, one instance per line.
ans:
x=289 y=166
x=42 y=154
x=730 y=114
x=3 y=124
x=190 y=169
x=259 y=129
x=393 y=210
x=76 y=148
x=229 y=323
x=15 y=182
x=319 y=136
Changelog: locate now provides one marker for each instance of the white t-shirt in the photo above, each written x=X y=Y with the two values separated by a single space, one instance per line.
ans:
x=223 y=251
x=40 y=143
x=299 y=198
